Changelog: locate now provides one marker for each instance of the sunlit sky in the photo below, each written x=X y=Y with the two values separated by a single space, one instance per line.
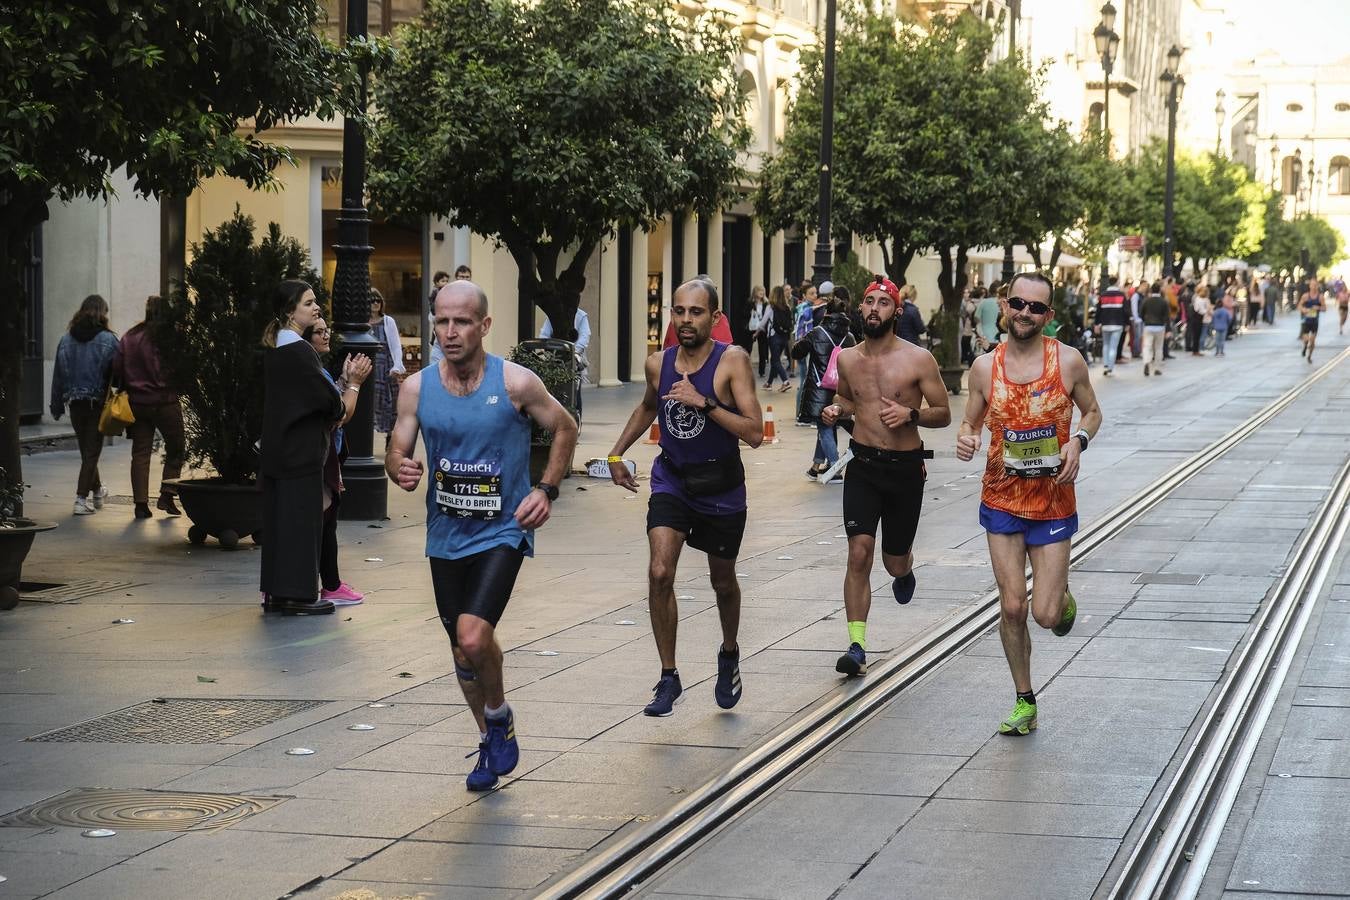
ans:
x=1300 y=30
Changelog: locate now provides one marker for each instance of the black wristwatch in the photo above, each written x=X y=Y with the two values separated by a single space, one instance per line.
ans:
x=710 y=404
x=550 y=490
x=1082 y=439
x=913 y=415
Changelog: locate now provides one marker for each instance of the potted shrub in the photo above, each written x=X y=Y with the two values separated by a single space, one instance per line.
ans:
x=214 y=322
x=554 y=361
x=16 y=538
x=944 y=339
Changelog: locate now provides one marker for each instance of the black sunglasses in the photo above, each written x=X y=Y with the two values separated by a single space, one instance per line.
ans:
x=1036 y=307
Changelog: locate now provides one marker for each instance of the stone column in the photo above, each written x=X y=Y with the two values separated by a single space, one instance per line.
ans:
x=638 y=330
x=775 y=259
x=757 y=256
x=605 y=357
x=714 y=270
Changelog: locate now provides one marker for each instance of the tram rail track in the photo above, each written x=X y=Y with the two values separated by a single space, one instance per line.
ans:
x=631 y=861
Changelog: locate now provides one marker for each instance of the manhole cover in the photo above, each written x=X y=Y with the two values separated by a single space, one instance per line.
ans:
x=138 y=810
x=178 y=721
x=1167 y=578
x=64 y=592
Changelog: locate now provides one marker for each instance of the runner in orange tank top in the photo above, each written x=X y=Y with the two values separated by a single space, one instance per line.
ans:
x=1025 y=390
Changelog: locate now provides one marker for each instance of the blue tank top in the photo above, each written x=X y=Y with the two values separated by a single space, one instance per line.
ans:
x=688 y=436
x=478 y=452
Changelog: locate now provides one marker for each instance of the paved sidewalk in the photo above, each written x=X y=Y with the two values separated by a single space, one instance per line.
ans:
x=385 y=810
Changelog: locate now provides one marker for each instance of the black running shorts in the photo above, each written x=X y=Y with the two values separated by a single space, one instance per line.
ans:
x=885 y=488
x=1308 y=326
x=477 y=585
x=718 y=536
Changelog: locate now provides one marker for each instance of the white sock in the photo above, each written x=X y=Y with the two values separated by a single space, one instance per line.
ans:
x=496 y=712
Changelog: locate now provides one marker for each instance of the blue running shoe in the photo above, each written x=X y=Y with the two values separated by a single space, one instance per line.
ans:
x=903 y=588
x=854 y=662
x=728 y=687
x=502 y=750
x=668 y=693
x=481 y=778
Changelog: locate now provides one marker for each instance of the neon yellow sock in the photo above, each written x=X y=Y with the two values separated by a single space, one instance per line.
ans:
x=857 y=634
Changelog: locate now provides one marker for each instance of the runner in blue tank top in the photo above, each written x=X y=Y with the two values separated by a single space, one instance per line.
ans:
x=474 y=411
x=702 y=396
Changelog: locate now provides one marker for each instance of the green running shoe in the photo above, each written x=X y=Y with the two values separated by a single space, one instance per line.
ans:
x=1070 y=613
x=1021 y=721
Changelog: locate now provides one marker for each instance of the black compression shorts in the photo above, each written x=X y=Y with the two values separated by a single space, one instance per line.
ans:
x=887 y=487
x=477 y=585
x=718 y=536
x=1308 y=325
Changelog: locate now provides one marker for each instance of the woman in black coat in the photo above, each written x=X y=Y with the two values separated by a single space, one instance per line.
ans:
x=817 y=347
x=300 y=407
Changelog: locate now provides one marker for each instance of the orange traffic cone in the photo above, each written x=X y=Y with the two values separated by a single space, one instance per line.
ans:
x=770 y=435
x=654 y=437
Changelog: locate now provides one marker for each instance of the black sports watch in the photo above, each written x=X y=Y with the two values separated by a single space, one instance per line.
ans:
x=913 y=415
x=1082 y=436
x=709 y=404
x=550 y=490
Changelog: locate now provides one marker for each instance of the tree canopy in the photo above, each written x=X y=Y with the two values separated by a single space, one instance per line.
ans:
x=546 y=125
x=1288 y=238
x=158 y=87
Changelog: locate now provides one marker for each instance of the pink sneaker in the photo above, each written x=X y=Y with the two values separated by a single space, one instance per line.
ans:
x=345 y=595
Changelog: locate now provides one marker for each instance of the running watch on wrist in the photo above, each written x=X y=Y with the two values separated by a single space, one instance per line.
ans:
x=913 y=415
x=710 y=404
x=550 y=490
x=1082 y=436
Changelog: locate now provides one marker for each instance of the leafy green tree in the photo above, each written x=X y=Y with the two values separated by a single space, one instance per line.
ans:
x=1287 y=239
x=547 y=125
x=156 y=87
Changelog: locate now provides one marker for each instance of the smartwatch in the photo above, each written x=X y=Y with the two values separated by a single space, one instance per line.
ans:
x=913 y=415
x=550 y=490
x=1082 y=436
x=709 y=404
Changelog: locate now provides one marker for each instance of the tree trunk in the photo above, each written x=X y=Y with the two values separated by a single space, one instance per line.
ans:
x=557 y=294
x=1055 y=250
x=952 y=277
x=897 y=260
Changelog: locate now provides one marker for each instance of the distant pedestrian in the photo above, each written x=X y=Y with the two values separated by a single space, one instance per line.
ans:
x=355 y=370
x=389 y=368
x=155 y=404
x=1310 y=305
x=1222 y=320
x=759 y=326
x=1342 y=303
x=818 y=350
x=1113 y=315
x=1155 y=314
x=909 y=324
x=806 y=319
x=969 y=304
x=780 y=333
x=463 y=273
x=1197 y=318
x=986 y=321
x=300 y=408
x=84 y=359
x=1271 y=304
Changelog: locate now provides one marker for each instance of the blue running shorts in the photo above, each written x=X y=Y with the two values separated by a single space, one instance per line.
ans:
x=1038 y=531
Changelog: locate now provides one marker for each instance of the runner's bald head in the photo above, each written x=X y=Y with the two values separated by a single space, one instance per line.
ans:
x=464 y=290
x=702 y=283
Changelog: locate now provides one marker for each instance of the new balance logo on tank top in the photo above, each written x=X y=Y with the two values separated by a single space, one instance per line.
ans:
x=689 y=436
x=478 y=454
x=1028 y=425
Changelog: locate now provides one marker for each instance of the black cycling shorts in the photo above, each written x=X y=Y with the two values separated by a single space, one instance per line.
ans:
x=477 y=585
x=885 y=487
x=1308 y=326
x=718 y=536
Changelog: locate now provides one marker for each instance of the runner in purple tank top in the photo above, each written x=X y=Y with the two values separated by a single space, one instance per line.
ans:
x=702 y=396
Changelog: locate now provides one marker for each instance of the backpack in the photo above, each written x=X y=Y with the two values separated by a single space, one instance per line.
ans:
x=829 y=380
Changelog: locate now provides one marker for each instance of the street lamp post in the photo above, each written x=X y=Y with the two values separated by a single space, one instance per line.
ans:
x=363 y=477
x=1219 y=115
x=1175 y=86
x=824 y=261
x=1014 y=13
x=1297 y=173
x=1108 y=45
x=1249 y=142
x=1274 y=159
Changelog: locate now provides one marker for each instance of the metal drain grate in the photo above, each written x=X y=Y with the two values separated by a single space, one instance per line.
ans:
x=64 y=592
x=178 y=721
x=138 y=810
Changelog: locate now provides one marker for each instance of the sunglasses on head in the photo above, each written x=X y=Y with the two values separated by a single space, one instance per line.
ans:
x=1035 y=307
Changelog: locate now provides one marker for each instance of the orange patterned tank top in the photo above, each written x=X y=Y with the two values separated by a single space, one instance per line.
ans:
x=1028 y=424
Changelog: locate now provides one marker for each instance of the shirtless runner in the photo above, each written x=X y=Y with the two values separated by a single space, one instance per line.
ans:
x=883 y=384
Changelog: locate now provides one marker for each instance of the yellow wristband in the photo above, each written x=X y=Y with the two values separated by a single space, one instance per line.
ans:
x=615 y=459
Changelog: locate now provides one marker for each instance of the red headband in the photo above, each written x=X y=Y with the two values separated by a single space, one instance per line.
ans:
x=886 y=286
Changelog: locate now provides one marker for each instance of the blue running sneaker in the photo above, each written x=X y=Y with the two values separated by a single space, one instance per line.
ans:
x=668 y=693
x=502 y=750
x=903 y=588
x=481 y=778
x=728 y=687
x=854 y=662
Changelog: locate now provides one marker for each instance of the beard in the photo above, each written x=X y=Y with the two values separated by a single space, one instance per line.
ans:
x=878 y=328
x=691 y=340
x=1023 y=331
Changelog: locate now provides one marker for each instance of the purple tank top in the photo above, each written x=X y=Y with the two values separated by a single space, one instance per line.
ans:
x=688 y=436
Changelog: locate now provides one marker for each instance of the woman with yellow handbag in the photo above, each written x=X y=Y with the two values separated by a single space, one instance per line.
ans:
x=80 y=381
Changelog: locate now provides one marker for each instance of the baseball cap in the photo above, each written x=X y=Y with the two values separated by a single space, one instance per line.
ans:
x=826 y=287
x=886 y=286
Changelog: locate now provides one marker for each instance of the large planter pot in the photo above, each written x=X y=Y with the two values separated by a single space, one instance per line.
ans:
x=226 y=512
x=951 y=378
x=16 y=539
x=539 y=462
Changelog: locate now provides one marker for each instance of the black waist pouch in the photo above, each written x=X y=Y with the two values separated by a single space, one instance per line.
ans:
x=704 y=479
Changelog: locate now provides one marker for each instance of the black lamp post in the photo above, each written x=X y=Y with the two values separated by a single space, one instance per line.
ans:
x=1108 y=45
x=1274 y=158
x=1313 y=177
x=1175 y=87
x=1219 y=115
x=1014 y=13
x=824 y=261
x=366 y=495
x=1297 y=173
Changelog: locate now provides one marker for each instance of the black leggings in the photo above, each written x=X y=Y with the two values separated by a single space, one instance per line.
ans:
x=477 y=585
x=328 y=551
